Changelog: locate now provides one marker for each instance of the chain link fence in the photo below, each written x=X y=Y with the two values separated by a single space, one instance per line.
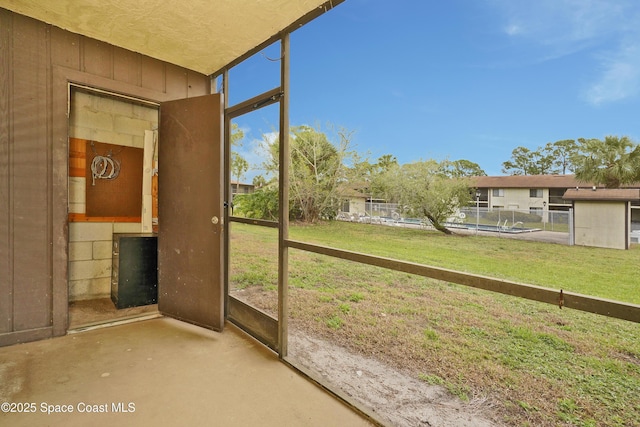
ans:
x=518 y=220
x=535 y=224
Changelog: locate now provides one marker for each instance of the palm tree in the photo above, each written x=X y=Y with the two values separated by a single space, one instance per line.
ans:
x=238 y=168
x=613 y=162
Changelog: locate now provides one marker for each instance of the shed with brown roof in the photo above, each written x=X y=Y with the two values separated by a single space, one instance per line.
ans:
x=602 y=217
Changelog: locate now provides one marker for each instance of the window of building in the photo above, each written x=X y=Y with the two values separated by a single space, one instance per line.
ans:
x=555 y=196
x=535 y=192
x=498 y=192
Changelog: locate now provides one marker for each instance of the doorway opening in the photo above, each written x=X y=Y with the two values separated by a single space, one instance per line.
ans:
x=112 y=197
x=253 y=228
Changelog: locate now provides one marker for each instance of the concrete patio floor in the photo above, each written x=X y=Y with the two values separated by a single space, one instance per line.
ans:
x=160 y=372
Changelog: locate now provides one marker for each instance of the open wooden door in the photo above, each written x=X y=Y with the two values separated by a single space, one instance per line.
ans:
x=190 y=211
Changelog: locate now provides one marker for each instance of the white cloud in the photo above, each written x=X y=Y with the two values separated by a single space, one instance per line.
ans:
x=513 y=29
x=256 y=152
x=605 y=29
x=270 y=137
x=560 y=22
x=620 y=78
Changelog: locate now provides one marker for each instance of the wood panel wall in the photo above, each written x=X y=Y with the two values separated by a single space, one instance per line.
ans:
x=37 y=63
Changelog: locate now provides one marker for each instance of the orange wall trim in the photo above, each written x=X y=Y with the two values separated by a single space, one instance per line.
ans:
x=80 y=217
x=77 y=157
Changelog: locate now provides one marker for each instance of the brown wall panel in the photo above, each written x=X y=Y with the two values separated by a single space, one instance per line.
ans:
x=127 y=66
x=97 y=58
x=59 y=197
x=176 y=85
x=196 y=84
x=65 y=48
x=153 y=74
x=6 y=274
x=30 y=176
x=37 y=62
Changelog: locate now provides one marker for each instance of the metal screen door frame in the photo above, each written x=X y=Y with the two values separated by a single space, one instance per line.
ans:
x=269 y=330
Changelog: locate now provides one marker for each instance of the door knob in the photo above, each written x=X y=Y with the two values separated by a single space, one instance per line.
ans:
x=214 y=220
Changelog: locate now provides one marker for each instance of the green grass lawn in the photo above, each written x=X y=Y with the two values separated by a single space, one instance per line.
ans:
x=607 y=273
x=536 y=364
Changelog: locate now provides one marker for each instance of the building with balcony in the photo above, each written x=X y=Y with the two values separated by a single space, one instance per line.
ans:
x=535 y=193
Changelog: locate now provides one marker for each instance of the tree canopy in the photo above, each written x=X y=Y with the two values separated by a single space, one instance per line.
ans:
x=321 y=169
x=317 y=167
x=461 y=168
x=563 y=154
x=554 y=157
x=239 y=165
x=613 y=162
x=424 y=191
x=316 y=170
x=528 y=162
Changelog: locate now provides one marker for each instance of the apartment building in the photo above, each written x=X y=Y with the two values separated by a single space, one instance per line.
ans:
x=535 y=193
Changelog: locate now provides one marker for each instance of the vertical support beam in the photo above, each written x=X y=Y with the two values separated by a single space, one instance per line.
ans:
x=283 y=235
x=227 y=189
x=60 y=189
x=6 y=173
x=627 y=225
x=572 y=230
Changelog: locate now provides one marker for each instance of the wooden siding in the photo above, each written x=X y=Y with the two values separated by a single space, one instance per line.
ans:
x=37 y=63
x=29 y=152
x=6 y=273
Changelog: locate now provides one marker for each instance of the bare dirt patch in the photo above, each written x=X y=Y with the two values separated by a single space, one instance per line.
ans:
x=393 y=396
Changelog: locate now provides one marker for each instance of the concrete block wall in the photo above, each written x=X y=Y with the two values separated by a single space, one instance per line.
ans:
x=103 y=119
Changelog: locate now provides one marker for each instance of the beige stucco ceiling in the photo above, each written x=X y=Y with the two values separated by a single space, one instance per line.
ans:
x=202 y=35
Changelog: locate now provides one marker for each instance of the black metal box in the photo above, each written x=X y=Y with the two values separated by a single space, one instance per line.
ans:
x=134 y=270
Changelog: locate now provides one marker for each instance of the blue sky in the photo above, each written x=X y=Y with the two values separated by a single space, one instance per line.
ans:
x=458 y=79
